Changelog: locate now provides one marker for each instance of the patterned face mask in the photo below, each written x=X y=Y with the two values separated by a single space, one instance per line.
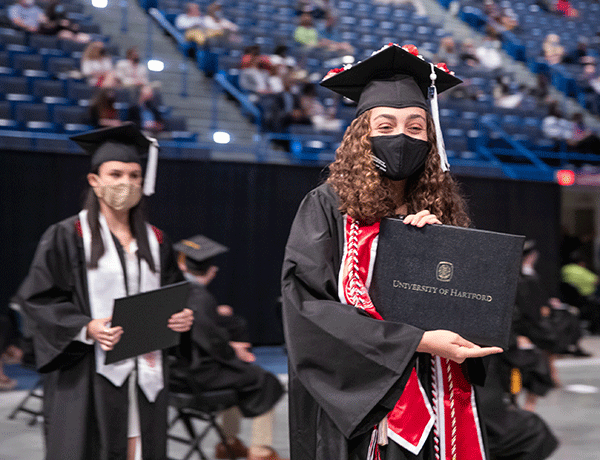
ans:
x=120 y=197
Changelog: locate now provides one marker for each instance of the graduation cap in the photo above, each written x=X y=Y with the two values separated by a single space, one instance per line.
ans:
x=199 y=252
x=124 y=143
x=395 y=77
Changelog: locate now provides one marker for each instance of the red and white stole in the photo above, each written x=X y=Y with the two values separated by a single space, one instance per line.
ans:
x=452 y=413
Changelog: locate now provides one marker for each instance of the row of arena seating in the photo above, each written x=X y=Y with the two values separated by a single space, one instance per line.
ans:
x=41 y=89
x=476 y=132
x=525 y=42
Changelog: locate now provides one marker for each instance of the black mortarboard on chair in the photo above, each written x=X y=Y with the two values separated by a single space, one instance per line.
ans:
x=395 y=77
x=124 y=143
x=199 y=252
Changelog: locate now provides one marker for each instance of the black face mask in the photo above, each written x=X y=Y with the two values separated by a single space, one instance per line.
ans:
x=399 y=156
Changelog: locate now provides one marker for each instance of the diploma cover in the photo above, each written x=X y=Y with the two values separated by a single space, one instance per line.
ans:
x=444 y=277
x=144 y=319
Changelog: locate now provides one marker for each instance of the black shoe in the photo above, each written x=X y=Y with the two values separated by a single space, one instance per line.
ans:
x=579 y=353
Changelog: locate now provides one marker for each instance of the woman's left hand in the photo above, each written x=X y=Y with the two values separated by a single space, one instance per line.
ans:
x=182 y=321
x=421 y=218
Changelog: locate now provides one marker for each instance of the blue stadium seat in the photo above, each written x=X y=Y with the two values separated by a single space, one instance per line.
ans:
x=15 y=88
x=25 y=62
x=5 y=67
x=382 y=12
x=12 y=36
x=79 y=91
x=71 y=47
x=47 y=45
x=61 y=67
x=51 y=92
x=6 y=116
x=89 y=28
x=34 y=117
x=72 y=119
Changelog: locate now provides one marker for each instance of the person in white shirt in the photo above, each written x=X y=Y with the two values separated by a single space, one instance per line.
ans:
x=216 y=27
x=192 y=23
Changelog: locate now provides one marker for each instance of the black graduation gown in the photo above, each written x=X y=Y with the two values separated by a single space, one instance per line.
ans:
x=212 y=364
x=346 y=370
x=85 y=416
x=513 y=433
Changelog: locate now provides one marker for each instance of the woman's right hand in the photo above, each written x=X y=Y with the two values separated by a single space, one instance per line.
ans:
x=450 y=345
x=107 y=337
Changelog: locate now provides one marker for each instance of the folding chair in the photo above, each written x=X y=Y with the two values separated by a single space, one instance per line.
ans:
x=204 y=406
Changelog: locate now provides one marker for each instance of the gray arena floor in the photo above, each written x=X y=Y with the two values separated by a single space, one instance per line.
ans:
x=573 y=412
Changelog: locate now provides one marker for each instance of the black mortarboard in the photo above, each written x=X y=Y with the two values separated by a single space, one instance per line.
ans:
x=124 y=143
x=394 y=77
x=199 y=252
x=391 y=77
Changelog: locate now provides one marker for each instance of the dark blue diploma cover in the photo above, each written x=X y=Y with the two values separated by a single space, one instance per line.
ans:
x=444 y=277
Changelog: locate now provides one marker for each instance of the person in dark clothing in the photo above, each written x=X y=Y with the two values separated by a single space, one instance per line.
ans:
x=513 y=433
x=94 y=410
x=544 y=327
x=360 y=386
x=220 y=355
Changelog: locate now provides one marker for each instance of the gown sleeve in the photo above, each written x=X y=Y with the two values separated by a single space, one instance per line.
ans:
x=170 y=272
x=54 y=299
x=353 y=366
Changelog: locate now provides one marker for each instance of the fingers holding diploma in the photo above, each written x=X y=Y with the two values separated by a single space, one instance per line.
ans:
x=181 y=321
x=107 y=337
x=450 y=345
x=421 y=219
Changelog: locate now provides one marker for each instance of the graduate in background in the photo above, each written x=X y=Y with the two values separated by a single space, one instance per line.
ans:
x=220 y=357
x=362 y=388
x=107 y=251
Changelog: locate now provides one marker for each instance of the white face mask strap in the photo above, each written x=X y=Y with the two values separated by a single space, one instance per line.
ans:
x=150 y=179
x=436 y=121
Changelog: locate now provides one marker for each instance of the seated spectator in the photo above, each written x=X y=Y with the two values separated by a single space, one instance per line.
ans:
x=579 y=276
x=565 y=8
x=143 y=94
x=143 y=111
x=555 y=126
x=589 y=80
x=504 y=94
x=552 y=50
x=59 y=24
x=97 y=67
x=583 y=139
x=584 y=283
x=130 y=72
x=316 y=8
x=282 y=109
x=321 y=118
x=448 y=52
x=488 y=55
x=26 y=15
x=468 y=53
x=307 y=35
x=192 y=23
x=541 y=90
x=500 y=19
x=102 y=109
x=581 y=53
x=255 y=71
x=218 y=360
x=217 y=28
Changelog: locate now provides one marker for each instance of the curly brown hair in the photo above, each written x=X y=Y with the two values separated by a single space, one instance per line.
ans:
x=367 y=196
